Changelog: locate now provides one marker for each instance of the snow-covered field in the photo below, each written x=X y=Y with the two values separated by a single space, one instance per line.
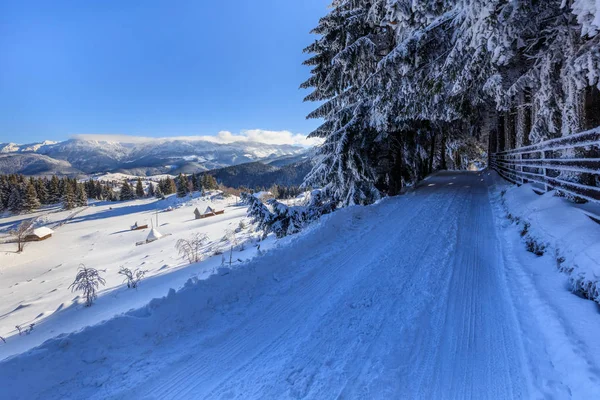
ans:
x=34 y=284
x=427 y=295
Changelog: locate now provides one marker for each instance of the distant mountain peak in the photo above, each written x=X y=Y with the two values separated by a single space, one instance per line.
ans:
x=81 y=155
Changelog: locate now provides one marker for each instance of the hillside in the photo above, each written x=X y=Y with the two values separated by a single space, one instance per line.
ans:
x=35 y=164
x=261 y=175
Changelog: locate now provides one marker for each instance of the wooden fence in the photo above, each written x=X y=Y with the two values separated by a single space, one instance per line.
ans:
x=570 y=164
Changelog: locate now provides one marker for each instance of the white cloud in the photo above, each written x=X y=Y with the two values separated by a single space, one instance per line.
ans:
x=223 y=137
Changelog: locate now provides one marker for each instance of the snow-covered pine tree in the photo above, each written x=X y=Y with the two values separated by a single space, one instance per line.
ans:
x=285 y=220
x=81 y=197
x=69 y=198
x=54 y=192
x=344 y=58
x=40 y=189
x=15 y=200
x=197 y=181
x=151 y=190
x=139 y=188
x=182 y=187
x=158 y=193
x=126 y=191
x=30 y=201
x=258 y=212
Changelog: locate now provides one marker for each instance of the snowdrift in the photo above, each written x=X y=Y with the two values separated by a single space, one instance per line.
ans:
x=553 y=225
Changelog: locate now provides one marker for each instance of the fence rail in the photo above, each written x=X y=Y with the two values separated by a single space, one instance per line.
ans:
x=569 y=164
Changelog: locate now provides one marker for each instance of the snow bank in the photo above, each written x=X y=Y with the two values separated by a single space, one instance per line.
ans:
x=553 y=225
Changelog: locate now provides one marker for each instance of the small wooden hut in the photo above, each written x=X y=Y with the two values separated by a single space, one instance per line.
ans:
x=209 y=212
x=136 y=227
x=39 y=234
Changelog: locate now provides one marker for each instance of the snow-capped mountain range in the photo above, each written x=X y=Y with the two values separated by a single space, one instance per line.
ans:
x=83 y=156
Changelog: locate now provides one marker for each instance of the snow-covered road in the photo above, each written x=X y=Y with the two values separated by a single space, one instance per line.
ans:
x=406 y=299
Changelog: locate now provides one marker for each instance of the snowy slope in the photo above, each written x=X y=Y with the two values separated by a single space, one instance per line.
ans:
x=34 y=284
x=420 y=296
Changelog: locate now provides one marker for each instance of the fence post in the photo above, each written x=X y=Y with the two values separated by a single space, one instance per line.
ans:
x=544 y=170
x=521 y=169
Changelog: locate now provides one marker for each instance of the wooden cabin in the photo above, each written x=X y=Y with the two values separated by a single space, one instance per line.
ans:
x=209 y=212
x=39 y=234
x=136 y=227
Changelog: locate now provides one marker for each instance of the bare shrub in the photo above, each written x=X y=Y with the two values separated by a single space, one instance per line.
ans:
x=535 y=247
x=525 y=229
x=24 y=330
x=87 y=280
x=190 y=249
x=132 y=278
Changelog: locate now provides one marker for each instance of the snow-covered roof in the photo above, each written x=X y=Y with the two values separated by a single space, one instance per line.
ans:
x=154 y=235
x=43 y=231
x=260 y=195
x=209 y=210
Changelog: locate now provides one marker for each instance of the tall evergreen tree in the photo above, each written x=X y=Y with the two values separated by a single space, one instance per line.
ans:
x=139 y=189
x=81 y=198
x=158 y=193
x=151 y=190
x=182 y=188
x=30 y=201
x=69 y=200
x=197 y=181
x=126 y=191
x=40 y=189
x=15 y=201
x=209 y=182
x=54 y=191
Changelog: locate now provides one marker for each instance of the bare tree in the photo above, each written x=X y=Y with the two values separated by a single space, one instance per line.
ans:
x=230 y=234
x=87 y=280
x=132 y=278
x=191 y=248
x=21 y=232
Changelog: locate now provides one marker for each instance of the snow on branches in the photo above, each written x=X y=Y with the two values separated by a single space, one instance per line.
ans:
x=282 y=219
x=412 y=70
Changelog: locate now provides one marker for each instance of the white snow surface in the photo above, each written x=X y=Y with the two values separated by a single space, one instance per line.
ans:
x=426 y=295
x=564 y=229
x=34 y=285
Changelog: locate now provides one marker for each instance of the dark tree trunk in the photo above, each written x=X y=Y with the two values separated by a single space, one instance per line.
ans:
x=432 y=154
x=443 y=150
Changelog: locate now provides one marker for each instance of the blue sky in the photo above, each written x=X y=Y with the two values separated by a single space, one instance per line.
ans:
x=153 y=68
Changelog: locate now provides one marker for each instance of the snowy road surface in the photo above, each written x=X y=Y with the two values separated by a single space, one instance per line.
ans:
x=410 y=298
